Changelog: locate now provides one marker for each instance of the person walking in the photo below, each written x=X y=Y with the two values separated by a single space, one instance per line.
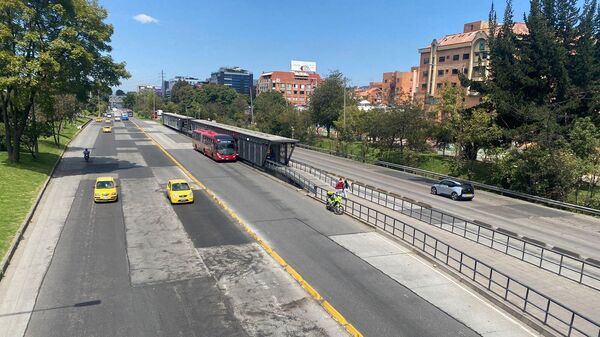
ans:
x=339 y=187
x=346 y=187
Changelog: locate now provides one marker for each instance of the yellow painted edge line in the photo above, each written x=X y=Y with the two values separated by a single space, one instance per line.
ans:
x=353 y=331
x=291 y=271
x=334 y=313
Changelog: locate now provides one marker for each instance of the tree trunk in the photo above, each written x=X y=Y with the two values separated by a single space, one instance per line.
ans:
x=328 y=130
x=36 y=150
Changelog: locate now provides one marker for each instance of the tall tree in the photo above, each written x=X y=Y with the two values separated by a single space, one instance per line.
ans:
x=48 y=48
x=327 y=100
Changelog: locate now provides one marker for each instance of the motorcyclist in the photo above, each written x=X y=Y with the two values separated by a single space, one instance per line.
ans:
x=333 y=198
x=86 y=154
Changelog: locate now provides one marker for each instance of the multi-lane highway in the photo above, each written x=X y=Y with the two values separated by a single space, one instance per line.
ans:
x=142 y=267
x=575 y=232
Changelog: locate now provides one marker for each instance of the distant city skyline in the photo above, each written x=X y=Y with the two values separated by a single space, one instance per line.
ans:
x=362 y=40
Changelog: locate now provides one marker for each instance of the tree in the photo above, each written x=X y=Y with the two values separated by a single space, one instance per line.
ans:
x=63 y=108
x=120 y=92
x=585 y=144
x=50 y=48
x=474 y=129
x=182 y=92
x=268 y=107
x=327 y=100
x=130 y=100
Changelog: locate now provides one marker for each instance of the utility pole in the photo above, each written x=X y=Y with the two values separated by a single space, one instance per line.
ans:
x=162 y=84
x=344 y=104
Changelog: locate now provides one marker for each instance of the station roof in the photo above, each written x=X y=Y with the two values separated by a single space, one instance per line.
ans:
x=177 y=115
x=257 y=134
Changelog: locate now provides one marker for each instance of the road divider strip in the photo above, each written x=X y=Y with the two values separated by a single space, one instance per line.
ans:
x=336 y=315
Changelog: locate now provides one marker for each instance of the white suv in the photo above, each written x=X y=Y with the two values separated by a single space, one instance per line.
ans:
x=454 y=189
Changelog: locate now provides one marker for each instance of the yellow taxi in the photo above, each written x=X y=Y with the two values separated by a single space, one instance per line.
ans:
x=179 y=191
x=107 y=129
x=105 y=190
x=98 y=119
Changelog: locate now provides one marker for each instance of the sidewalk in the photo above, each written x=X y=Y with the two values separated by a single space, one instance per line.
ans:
x=577 y=297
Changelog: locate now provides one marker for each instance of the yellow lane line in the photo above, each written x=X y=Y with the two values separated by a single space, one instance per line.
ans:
x=291 y=271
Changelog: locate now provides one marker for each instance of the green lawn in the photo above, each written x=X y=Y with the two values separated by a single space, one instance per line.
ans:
x=20 y=183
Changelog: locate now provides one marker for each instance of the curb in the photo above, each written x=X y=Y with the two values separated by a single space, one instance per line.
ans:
x=286 y=267
x=25 y=224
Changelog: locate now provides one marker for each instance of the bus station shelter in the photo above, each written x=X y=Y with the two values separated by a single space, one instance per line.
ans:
x=253 y=146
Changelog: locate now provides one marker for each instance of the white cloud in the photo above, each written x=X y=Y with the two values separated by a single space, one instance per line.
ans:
x=143 y=18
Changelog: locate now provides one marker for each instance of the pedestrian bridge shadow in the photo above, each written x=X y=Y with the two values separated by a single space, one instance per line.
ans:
x=73 y=166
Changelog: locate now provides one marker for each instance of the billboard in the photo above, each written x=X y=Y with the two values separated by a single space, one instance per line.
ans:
x=307 y=66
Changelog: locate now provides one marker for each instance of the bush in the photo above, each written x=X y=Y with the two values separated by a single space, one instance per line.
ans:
x=543 y=172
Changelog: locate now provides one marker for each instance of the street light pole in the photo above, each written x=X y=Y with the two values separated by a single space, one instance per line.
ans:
x=251 y=107
x=344 y=104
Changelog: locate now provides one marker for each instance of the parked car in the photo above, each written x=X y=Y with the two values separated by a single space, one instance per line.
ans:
x=454 y=189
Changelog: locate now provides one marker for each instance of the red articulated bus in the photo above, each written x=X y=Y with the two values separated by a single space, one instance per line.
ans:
x=219 y=147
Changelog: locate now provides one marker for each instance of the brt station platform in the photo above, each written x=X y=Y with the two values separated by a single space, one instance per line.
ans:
x=254 y=147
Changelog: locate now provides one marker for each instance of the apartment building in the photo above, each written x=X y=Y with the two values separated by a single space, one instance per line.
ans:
x=295 y=86
x=399 y=87
x=239 y=79
x=396 y=87
x=446 y=58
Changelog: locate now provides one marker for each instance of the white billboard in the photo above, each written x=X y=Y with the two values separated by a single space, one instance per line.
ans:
x=307 y=66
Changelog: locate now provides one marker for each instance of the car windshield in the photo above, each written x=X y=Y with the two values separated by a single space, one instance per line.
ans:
x=180 y=187
x=226 y=148
x=104 y=184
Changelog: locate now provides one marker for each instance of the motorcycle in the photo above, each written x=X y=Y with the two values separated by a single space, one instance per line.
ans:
x=334 y=203
x=86 y=156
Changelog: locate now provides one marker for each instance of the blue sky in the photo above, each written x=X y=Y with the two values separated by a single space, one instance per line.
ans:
x=362 y=39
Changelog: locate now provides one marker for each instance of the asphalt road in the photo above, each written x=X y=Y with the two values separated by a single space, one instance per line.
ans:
x=575 y=232
x=141 y=267
x=300 y=230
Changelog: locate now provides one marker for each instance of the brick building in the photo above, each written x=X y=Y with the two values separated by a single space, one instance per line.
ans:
x=399 y=87
x=295 y=86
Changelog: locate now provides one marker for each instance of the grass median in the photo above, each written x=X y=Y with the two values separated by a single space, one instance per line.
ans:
x=21 y=182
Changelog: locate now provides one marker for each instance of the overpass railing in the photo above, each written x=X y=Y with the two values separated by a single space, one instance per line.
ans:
x=541 y=308
x=556 y=260
x=491 y=188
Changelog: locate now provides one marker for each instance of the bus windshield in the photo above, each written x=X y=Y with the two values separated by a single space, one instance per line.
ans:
x=226 y=148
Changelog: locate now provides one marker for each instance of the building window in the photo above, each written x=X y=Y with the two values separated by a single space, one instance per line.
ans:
x=424 y=86
x=295 y=92
x=439 y=85
x=454 y=71
x=455 y=57
x=426 y=60
x=441 y=72
x=465 y=71
x=301 y=92
x=442 y=59
x=453 y=84
x=465 y=56
x=425 y=74
x=301 y=86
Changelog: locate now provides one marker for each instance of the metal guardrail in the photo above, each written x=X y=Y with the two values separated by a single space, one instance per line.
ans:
x=491 y=188
x=533 y=251
x=540 y=307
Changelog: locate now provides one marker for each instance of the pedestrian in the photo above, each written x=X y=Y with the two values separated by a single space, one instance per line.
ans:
x=346 y=187
x=339 y=187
